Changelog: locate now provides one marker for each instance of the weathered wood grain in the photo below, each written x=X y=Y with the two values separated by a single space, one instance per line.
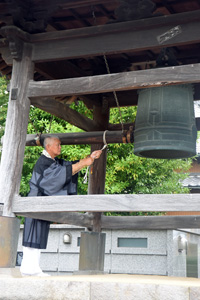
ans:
x=64 y=112
x=116 y=38
x=150 y=222
x=120 y=222
x=116 y=82
x=105 y=203
x=79 y=138
x=15 y=131
x=78 y=219
x=98 y=169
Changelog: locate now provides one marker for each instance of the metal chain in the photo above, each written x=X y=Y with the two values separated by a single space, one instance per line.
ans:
x=114 y=93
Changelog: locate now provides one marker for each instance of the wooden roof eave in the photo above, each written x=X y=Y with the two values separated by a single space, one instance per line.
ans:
x=110 y=38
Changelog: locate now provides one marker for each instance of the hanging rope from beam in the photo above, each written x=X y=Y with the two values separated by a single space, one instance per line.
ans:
x=114 y=93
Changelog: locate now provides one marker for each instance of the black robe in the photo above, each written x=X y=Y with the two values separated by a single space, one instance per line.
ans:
x=50 y=177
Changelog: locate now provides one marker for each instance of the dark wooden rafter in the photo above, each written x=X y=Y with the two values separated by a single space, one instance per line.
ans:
x=64 y=112
x=78 y=17
x=106 y=41
x=168 y=6
x=82 y=3
x=127 y=98
x=55 y=70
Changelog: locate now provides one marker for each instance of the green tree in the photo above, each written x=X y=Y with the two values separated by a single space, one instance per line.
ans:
x=126 y=173
x=3 y=105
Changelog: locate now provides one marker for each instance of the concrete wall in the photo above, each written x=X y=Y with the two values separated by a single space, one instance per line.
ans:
x=161 y=256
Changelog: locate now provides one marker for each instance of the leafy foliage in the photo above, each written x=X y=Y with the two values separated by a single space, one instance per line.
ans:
x=126 y=173
x=3 y=104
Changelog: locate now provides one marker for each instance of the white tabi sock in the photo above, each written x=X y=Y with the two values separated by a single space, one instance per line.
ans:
x=31 y=261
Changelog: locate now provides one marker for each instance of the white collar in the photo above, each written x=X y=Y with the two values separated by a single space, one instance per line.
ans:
x=45 y=153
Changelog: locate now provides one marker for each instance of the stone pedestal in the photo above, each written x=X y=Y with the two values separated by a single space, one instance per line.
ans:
x=92 y=252
x=9 y=234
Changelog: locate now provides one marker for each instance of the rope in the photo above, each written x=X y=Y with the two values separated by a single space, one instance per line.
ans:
x=114 y=93
x=104 y=147
x=104 y=141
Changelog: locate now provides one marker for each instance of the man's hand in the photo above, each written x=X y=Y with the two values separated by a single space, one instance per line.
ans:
x=96 y=154
x=88 y=161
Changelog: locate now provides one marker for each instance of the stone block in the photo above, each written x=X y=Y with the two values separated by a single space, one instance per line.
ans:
x=73 y=247
x=107 y=263
x=49 y=261
x=156 y=241
x=139 y=264
x=139 y=291
x=68 y=262
x=108 y=244
x=43 y=288
x=194 y=293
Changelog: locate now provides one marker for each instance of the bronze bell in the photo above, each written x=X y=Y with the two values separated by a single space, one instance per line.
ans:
x=165 y=124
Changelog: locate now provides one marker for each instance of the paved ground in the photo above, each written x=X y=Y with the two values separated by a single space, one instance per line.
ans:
x=97 y=287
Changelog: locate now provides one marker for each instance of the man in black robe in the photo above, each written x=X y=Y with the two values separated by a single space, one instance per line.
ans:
x=51 y=176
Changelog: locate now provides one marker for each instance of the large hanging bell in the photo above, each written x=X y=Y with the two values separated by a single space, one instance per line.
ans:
x=165 y=124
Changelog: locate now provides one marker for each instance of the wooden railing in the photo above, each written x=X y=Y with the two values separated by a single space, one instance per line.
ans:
x=69 y=210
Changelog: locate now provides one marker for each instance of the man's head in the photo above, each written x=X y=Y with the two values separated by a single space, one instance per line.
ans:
x=52 y=145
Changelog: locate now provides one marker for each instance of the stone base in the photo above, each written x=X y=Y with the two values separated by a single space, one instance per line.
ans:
x=106 y=287
x=10 y=272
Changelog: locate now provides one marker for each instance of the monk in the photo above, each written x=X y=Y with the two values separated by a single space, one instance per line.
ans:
x=51 y=176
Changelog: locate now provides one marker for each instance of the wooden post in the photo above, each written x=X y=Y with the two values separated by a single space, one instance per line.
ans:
x=15 y=131
x=13 y=153
x=98 y=170
x=92 y=247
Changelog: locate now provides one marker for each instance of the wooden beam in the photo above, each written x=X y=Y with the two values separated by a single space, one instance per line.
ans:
x=78 y=219
x=145 y=34
x=105 y=203
x=110 y=38
x=116 y=82
x=120 y=222
x=64 y=112
x=56 y=70
x=150 y=222
x=82 y=138
x=81 y=3
x=125 y=98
